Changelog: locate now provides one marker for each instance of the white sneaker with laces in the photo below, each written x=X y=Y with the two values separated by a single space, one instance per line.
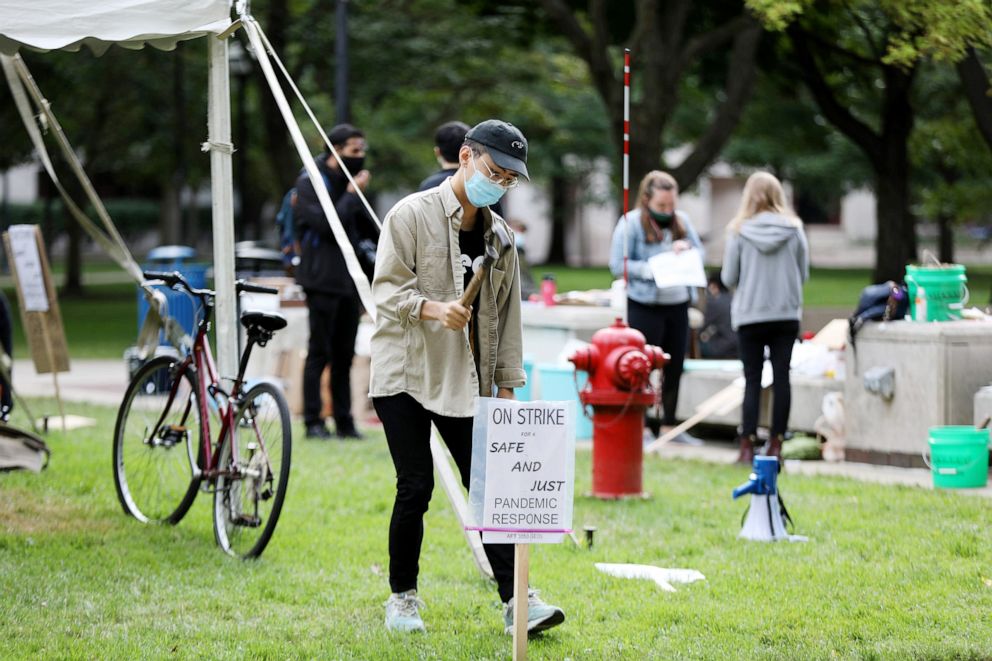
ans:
x=540 y=616
x=402 y=612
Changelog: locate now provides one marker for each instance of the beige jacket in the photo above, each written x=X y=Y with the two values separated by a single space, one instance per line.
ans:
x=417 y=261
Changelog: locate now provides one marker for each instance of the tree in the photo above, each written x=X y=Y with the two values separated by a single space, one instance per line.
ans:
x=859 y=61
x=953 y=177
x=978 y=91
x=668 y=42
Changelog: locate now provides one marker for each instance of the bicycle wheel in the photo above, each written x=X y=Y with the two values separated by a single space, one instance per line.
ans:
x=156 y=439
x=251 y=484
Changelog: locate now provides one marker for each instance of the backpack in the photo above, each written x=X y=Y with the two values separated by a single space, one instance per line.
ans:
x=284 y=223
x=21 y=450
x=881 y=302
x=288 y=245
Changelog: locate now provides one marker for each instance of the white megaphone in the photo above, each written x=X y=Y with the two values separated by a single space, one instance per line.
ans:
x=764 y=521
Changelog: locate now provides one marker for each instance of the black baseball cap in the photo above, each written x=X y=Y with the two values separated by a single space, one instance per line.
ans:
x=505 y=143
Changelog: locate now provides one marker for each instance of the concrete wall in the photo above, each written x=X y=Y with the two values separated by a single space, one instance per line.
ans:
x=857 y=215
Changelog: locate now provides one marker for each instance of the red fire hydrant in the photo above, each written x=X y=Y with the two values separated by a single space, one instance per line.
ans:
x=619 y=390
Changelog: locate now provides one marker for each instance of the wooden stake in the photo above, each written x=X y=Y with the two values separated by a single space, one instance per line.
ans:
x=55 y=373
x=521 y=570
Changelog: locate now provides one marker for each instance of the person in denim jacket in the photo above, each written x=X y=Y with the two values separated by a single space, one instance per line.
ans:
x=661 y=314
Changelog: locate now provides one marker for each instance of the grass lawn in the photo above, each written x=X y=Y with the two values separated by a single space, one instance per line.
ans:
x=889 y=572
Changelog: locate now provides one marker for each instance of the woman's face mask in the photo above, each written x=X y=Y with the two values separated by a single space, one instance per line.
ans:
x=482 y=192
x=663 y=219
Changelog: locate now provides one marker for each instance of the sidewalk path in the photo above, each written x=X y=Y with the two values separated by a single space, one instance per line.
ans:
x=723 y=453
x=89 y=381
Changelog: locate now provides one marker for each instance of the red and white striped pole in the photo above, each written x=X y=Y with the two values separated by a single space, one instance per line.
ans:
x=626 y=159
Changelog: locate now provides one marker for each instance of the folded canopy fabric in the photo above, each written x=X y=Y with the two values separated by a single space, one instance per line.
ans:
x=70 y=24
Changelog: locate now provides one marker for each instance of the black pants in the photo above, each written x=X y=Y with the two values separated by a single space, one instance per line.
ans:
x=408 y=433
x=665 y=326
x=779 y=337
x=333 y=327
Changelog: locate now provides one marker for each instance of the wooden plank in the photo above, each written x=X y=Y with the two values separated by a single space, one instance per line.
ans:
x=453 y=489
x=521 y=571
x=723 y=398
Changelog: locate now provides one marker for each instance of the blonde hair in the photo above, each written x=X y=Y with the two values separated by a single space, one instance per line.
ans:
x=654 y=181
x=762 y=192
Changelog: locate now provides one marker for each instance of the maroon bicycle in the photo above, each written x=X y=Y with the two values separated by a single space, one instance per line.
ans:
x=163 y=452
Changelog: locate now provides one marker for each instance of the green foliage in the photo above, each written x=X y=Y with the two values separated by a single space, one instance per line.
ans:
x=919 y=28
x=954 y=172
x=129 y=215
x=889 y=572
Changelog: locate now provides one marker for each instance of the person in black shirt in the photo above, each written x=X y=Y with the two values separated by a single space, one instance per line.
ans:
x=332 y=300
x=717 y=338
x=448 y=140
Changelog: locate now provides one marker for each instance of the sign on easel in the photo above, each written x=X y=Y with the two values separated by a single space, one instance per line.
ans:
x=36 y=296
x=522 y=483
x=39 y=306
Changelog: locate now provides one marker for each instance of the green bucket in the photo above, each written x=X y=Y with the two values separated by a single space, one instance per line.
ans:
x=936 y=293
x=959 y=457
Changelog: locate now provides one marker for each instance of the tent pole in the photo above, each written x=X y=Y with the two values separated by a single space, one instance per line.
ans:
x=222 y=197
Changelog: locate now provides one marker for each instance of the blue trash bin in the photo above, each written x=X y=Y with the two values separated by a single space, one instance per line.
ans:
x=558 y=383
x=182 y=307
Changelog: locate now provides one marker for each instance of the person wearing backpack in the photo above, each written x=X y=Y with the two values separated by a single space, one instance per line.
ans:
x=766 y=258
x=332 y=299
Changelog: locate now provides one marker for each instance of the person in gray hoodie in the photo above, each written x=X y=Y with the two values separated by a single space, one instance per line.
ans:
x=766 y=258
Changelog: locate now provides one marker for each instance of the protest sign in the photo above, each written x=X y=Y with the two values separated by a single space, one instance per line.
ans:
x=523 y=471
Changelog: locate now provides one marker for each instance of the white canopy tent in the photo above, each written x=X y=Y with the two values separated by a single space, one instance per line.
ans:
x=70 y=24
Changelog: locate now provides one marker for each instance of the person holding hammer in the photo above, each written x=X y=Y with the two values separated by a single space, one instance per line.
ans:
x=437 y=346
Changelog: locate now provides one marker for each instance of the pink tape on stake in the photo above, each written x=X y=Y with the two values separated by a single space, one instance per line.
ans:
x=527 y=530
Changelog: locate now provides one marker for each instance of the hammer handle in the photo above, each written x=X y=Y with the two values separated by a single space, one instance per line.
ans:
x=473 y=286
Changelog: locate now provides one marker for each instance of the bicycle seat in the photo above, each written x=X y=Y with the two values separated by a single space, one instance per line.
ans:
x=264 y=320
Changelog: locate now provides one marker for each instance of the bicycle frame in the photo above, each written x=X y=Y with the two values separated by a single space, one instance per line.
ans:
x=207 y=382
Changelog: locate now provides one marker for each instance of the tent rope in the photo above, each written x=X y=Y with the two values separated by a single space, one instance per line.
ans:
x=313 y=118
x=323 y=196
x=22 y=84
x=220 y=147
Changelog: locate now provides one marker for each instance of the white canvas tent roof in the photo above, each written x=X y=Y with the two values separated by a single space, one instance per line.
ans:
x=70 y=24
x=98 y=24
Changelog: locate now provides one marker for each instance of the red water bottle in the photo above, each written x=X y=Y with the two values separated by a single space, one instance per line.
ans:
x=548 y=289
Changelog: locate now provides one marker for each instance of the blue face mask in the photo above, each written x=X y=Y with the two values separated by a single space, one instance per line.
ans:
x=482 y=192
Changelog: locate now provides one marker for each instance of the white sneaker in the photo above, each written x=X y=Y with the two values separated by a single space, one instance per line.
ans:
x=402 y=612
x=540 y=616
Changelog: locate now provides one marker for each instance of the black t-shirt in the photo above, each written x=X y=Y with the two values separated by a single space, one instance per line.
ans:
x=472 y=247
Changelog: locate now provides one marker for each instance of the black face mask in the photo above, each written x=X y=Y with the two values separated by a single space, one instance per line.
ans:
x=353 y=163
x=663 y=219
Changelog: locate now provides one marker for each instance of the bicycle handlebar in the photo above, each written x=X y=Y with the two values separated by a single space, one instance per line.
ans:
x=176 y=278
x=257 y=289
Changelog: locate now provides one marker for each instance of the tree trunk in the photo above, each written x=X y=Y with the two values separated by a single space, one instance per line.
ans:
x=896 y=242
x=945 y=237
x=559 y=215
x=73 y=286
x=170 y=220
x=978 y=91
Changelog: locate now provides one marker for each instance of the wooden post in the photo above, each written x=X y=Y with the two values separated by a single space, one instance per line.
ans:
x=453 y=489
x=55 y=376
x=521 y=570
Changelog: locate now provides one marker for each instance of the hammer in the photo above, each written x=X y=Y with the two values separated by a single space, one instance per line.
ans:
x=492 y=254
